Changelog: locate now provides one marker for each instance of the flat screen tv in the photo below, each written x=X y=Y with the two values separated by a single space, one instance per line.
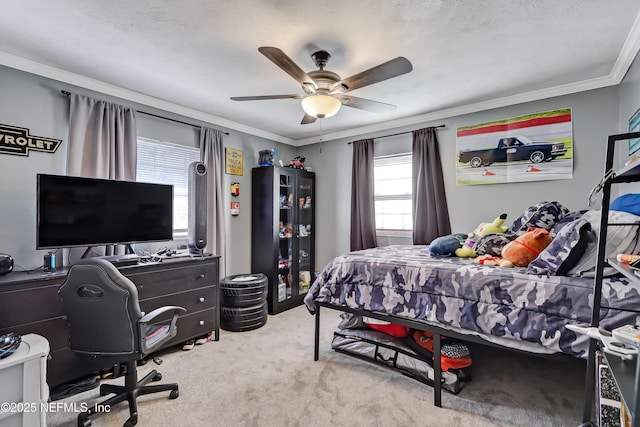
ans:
x=75 y=211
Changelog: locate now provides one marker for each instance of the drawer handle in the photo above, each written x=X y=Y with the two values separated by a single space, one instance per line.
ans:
x=201 y=323
x=202 y=276
x=201 y=299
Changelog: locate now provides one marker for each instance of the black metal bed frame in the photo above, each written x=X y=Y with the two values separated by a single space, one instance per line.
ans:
x=420 y=325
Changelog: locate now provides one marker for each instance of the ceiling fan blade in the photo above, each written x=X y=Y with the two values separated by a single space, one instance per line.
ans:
x=307 y=119
x=263 y=97
x=281 y=59
x=366 y=104
x=387 y=70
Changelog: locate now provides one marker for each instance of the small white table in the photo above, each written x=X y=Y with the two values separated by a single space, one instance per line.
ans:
x=24 y=392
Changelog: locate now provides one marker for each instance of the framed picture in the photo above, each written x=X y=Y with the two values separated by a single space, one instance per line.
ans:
x=634 y=126
x=516 y=149
x=234 y=161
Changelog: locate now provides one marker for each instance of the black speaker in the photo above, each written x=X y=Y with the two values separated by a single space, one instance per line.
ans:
x=197 y=232
x=6 y=264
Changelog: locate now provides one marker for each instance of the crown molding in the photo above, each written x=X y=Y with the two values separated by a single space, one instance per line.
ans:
x=54 y=73
x=628 y=52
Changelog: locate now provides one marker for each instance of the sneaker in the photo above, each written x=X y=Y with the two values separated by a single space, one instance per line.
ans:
x=203 y=339
x=189 y=345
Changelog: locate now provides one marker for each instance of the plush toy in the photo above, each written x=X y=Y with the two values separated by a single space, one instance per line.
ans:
x=527 y=247
x=493 y=261
x=446 y=245
x=466 y=251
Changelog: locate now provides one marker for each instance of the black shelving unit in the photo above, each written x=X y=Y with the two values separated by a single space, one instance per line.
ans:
x=626 y=373
x=283 y=233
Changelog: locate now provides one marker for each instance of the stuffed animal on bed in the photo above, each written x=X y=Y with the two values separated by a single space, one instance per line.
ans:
x=493 y=261
x=527 y=247
x=446 y=245
x=466 y=251
x=521 y=251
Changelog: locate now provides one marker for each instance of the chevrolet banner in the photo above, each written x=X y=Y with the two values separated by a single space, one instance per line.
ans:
x=15 y=140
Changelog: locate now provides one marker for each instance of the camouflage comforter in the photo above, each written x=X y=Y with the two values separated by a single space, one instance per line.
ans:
x=455 y=292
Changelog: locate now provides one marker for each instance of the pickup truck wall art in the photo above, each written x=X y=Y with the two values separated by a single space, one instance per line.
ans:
x=513 y=148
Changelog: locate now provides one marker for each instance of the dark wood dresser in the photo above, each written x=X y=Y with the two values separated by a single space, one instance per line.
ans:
x=29 y=303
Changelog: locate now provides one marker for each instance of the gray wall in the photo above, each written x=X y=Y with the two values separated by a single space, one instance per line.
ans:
x=595 y=116
x=629 y=104
x=629 y=94
x=36 y=103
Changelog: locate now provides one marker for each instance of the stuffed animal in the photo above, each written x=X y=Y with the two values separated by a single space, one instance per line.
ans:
x=493 y=261
x=466 y=251
x=446 y=245
x=527 y=247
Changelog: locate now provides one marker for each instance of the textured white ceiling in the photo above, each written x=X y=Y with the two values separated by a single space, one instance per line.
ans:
x=191 y=56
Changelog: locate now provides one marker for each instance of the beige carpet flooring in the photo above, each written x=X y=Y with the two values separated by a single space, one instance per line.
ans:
x=267 y=377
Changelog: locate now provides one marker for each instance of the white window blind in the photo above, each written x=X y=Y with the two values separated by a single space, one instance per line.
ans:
x=392 y=188
x=166 y=163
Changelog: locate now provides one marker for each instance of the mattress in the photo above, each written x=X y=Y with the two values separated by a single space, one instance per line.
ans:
x=503 y=305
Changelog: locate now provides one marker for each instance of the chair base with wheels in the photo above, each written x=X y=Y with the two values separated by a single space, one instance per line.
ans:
x=130 y=391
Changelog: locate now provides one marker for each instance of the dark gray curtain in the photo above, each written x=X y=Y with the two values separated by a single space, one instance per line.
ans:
x=102 y=140
x=212 y=155
x=363 y=219
x=102 y=144
x=430 y=212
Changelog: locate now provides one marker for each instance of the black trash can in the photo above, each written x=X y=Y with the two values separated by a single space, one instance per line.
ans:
x=243 y=300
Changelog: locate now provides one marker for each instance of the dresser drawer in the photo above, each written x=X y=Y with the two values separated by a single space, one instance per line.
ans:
x=30 y=305
x=172 y=280
x=192 y=301
x=194 y=325
x=54 y=330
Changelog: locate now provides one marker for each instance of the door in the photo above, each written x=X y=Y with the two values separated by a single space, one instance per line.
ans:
x=286 y=223
x=305 y=232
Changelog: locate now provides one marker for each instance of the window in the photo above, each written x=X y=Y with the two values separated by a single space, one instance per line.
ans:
x=166 y=163
x=393 y=187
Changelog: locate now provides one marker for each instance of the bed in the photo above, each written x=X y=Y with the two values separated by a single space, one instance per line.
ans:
x=524 y=309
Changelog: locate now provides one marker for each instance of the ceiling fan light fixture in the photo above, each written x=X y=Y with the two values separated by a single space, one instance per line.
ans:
x=321 y=106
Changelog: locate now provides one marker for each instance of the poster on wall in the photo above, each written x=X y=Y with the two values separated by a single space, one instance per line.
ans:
x=533 y=147
x=233 y=161
x=634 y=126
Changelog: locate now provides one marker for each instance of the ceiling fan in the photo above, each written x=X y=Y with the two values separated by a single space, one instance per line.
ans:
x=324 y=91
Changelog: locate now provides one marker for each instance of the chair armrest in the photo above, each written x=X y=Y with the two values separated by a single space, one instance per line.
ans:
x=145 y=346
x=158 y=311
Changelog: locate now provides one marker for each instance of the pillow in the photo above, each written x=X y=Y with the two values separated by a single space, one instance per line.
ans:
x=629 y=203
x=492 y=244
x=567 y=219
x=565 y=250
x=620 y=239
x=540 y=215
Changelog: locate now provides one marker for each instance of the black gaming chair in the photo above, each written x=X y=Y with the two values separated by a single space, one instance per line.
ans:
x=105 y=321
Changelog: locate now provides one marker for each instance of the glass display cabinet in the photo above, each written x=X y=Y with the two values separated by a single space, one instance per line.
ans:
x=282 y=233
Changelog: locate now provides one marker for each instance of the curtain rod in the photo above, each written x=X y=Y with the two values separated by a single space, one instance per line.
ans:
x=66 y=93
x=402 y=133
x=174 y=120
